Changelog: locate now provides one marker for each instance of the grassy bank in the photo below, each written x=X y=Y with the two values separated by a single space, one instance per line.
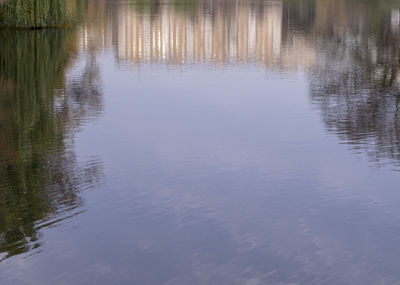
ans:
x=33 y=13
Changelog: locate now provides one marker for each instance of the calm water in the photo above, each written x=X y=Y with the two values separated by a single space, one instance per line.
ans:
x=203 y=142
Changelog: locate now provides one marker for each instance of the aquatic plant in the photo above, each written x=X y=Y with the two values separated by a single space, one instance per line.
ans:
x=33 y=13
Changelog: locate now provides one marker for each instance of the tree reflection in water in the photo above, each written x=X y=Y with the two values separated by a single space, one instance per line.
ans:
x=40 y=178
x=352 y=62
x=349 y=49
x=356 y=80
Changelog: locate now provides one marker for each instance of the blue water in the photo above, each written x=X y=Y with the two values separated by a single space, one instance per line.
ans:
x=216 y=142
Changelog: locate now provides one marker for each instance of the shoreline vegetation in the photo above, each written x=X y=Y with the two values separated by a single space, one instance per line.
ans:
x=34 y=14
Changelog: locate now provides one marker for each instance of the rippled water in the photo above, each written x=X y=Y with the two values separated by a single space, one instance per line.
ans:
x=203 y=142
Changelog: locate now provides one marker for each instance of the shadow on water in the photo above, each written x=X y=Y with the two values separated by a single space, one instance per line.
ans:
x=40 y=178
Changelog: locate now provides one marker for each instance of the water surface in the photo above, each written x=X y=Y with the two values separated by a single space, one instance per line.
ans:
x=202 y=142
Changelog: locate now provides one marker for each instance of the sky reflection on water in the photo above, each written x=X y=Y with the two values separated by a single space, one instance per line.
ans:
x=206 y=142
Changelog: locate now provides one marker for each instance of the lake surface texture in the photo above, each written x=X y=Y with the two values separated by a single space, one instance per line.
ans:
x=203 y=142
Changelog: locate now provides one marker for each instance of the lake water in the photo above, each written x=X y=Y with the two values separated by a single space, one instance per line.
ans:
x=203 y=142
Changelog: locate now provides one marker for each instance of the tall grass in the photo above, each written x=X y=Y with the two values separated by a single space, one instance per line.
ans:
x=33 y=13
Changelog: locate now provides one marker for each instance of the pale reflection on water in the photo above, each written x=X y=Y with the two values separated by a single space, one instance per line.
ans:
x=202 y=142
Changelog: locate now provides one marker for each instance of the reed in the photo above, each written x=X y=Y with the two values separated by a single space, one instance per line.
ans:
x=33 y=13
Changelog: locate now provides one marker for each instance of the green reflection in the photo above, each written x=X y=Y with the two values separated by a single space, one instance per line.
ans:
x=39 y=175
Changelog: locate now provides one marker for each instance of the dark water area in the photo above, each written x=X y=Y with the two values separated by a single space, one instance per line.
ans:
x=203 y=142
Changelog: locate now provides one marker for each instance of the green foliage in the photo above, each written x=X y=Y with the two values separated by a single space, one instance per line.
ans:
x=34 y=13
x=146 y=6
x=186 y=6
x=152 y=6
